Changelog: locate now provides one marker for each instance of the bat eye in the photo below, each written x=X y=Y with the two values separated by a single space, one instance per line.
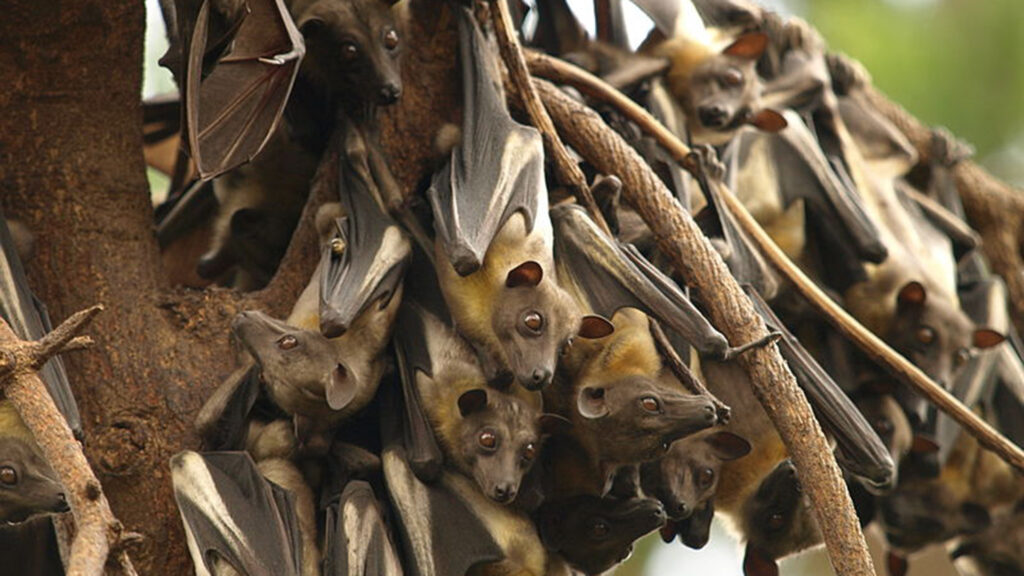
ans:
x=533 y=321
x=732 y=77
x=600 y=529
x=287 y=342
x=529 y=452
x=883 y=426
x=925 y=335
x=707 y=476
x=349 y=51
x=776 y=520
x=8 y=476
x=650 y=404
x=961 y=357
x=391 y=39
x=488 y=440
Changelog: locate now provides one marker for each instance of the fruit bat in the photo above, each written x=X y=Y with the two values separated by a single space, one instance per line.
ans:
x=234 y=517
x=28 y=485
x=364 y=264
x=447 y=526
x=777 y=521
x=998 y=551
x=233 y=108
x=608 y=275
x=28 y=318
x=592 y=533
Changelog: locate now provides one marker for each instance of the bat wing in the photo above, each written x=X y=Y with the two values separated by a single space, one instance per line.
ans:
x=358 y=542
x=28 y=317
x=232 y=112
x=223 y=421
x=1007 y=398
x=440 y=532
x=495 y=171
x=370 y=264
x=863 y=453
x=232 y=514
x=610 y=275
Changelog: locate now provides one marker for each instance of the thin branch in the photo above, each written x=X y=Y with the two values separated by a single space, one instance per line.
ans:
x=878 y=350
x=731 y=311
x=683 y=372
x=98 y=531
x=569 y=173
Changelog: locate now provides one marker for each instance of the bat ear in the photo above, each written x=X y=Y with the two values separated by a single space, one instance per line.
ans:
x=923 y=445
x=591 y=403
x=528 y=273
x=472 y=401
x=593 y=327
x=768 y=120
x=987 y=338
x=552 y=424
x=340 y=388
x=912 y=295
x=749 y=46
x=728 y=446
x=897 y=564
x=668 y=531
x=757 y=563
x=976 y=517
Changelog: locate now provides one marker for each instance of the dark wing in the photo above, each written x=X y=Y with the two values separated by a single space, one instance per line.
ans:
x=27 y=316
x=232 y=111
x=495 y=171
x=223 y=421
x=610 y=275
x=862 y=451
x=31 y=547
x=439 y=531
x=233 y=514
x=357 y=541
x=419 y=444
x=369 y=262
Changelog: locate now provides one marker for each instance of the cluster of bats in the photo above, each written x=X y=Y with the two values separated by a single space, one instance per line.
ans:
x=479 y=379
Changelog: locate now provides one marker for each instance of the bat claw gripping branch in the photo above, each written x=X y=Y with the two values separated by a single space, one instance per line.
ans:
x=734 y=351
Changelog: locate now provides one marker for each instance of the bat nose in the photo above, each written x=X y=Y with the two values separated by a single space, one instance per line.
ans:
x=540 y=378
x=680 y=511
x=504 y=493
x=713 y=116
x=390 y=94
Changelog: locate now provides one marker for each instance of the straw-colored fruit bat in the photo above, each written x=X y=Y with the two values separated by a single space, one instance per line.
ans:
x=493 y=234
x=28 y=485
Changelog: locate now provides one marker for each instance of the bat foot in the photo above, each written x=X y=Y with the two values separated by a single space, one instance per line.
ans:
x=705 y=160
x=733 y=352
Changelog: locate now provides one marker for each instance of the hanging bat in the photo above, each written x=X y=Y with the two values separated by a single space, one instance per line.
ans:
x=448 y=526
x=995 y=552
x=236 y=520
x=28 y=318
x=493 y=234
x=28 y=485
x=364 y=264
x=593 y=534
x=492 y=436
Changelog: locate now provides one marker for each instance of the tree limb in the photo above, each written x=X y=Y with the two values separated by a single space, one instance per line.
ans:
x=873 y=346
x=731 y=311
x=98 y=532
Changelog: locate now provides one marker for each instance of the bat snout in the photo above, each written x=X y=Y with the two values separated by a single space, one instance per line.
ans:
x=713 y=116
x=389 y=94
x=504 y=493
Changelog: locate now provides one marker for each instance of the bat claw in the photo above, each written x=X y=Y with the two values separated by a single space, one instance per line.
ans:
x=733 y=352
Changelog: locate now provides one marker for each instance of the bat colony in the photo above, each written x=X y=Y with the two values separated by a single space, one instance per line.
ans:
x=478 y=379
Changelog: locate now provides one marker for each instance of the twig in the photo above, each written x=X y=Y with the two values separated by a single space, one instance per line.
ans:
x=569 y=173
x=682 y=371
x=878 y=350
x=731 y=311
x=98 y=532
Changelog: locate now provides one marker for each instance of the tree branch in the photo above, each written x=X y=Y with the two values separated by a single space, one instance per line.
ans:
x=98 y=532
x=731 y=311
x=873 y=346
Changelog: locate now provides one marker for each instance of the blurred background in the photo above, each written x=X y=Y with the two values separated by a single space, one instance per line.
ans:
x=956 y=63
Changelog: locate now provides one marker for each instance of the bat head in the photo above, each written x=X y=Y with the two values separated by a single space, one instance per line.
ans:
x=998 y=551
x=923 y=511
x=938 y=337
x=534 y=320
x=28 y=485
x=777 y=521
x=889 y=421
x=352 y=48
x=499 y=437
x=719 y=92
x=693 y=531
x=637 y=418
x=302 y=362
x=686 y=477
x=594 y=533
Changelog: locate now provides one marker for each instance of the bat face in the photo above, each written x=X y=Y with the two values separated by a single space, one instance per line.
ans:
x=352 y=47
x=935 y=336
x=533 y=321
x=924 y=511
x=889 y=421
x=28 y=486
x=637 y=417
x=301 y=362
x=687 y=476
x=500 y=439
x=594 y=533
x=777 y=519
x=998 y=551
